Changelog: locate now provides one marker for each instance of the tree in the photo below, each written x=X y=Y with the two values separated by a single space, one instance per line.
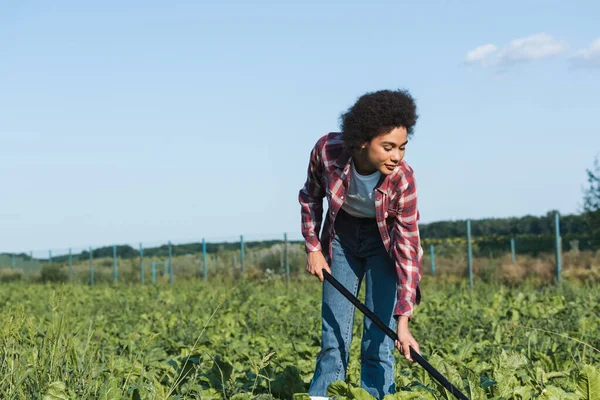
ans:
x=591 y=199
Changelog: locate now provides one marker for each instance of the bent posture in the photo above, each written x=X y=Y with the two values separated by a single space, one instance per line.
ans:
x=370 y=232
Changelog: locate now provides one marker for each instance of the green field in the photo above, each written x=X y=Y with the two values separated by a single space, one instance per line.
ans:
x=259 y=340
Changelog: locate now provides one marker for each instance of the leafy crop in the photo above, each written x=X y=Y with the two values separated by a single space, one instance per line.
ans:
x=256 y=340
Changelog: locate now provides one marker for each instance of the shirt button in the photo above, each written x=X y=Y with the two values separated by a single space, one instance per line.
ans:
x=386 y=214
x=332 y=213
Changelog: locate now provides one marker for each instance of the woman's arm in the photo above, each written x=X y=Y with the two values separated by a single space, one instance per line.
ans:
x=407 y=255
x=406 y=250
x=311 y=201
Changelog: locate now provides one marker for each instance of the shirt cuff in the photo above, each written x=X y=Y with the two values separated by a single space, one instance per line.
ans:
x=403 y=307
x=313 y=244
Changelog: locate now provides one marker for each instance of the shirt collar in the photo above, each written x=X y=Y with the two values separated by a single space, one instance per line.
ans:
x=343 y=163
x=384 y=184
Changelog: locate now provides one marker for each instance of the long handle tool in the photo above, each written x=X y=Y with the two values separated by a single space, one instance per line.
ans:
x=392 y=335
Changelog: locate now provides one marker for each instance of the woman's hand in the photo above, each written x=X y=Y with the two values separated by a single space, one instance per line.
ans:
x=405 y=339
x=315 y=264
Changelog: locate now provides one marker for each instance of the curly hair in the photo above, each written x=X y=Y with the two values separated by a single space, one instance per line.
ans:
x=377 y=113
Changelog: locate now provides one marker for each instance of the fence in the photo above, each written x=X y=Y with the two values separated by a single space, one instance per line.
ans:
x=157 y=262
x=279 y=258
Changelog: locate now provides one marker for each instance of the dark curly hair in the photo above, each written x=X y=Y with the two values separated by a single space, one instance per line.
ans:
x=377 y=113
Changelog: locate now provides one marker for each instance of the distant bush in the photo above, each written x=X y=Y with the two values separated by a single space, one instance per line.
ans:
x=54 y=273
x=10 y=275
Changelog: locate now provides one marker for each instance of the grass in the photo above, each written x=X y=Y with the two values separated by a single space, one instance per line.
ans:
x=216 y=339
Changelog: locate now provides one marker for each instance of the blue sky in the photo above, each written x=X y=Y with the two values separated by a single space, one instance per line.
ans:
x=148 y=121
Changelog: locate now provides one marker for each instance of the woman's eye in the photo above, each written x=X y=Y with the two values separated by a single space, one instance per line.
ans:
x=402 y=148
x=387 y=148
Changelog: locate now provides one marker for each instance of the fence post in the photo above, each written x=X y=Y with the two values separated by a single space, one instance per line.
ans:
x=242 y=255
x=469 y=254
x=512 y=250
x=154 y=272
x=205 y=272
x=166 y=271
x=287 y=260
x=14 y=262
x=91 y=267
x=171 y=276
x=50 y=256
x=431 y=251
x=558 y=247
x=70 y=265
x=115 y=263
x=141 y=264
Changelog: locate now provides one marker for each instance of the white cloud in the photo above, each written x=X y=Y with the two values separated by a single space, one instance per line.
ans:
x=481 y=54
x=530 y=48
x=588 y=57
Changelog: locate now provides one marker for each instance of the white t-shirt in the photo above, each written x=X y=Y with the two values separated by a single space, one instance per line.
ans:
x=360 y=200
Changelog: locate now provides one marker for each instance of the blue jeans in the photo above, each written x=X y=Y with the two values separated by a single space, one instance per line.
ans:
x=357 y=252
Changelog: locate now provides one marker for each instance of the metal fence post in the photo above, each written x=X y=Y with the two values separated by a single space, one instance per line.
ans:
x=242 y=255
x=115 y=263
x=171 y=275
x=205 y=272
x=558 y=247
x=154 y=272
x=141 y=264
x=469 y=253
x=287 y=260
x=70 y=265
x=512 y=250
x=91 y=267
x=431 y=251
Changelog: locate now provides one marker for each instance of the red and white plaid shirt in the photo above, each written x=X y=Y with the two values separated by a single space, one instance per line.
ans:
x=395 y=210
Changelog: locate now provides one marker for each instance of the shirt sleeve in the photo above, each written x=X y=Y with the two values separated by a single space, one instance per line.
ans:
x=311 y=201
x=407 y=251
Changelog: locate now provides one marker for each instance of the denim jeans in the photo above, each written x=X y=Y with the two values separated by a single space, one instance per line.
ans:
x=357 y=253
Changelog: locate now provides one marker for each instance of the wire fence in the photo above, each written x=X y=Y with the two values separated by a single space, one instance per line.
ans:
x=502 y=259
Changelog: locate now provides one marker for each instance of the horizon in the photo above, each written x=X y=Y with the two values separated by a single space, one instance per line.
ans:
x=293 y=238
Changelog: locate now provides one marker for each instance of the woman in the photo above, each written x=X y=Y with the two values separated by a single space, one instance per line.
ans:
x=370 y=232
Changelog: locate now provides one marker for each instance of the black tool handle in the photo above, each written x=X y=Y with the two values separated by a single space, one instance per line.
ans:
x=392 y=335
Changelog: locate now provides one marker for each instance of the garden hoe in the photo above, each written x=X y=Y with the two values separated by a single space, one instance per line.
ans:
x=392 y=335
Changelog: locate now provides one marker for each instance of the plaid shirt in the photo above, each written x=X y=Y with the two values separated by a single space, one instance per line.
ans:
x=395 y=208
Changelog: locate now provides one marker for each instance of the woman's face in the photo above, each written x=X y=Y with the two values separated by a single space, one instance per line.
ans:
x=383 y=153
